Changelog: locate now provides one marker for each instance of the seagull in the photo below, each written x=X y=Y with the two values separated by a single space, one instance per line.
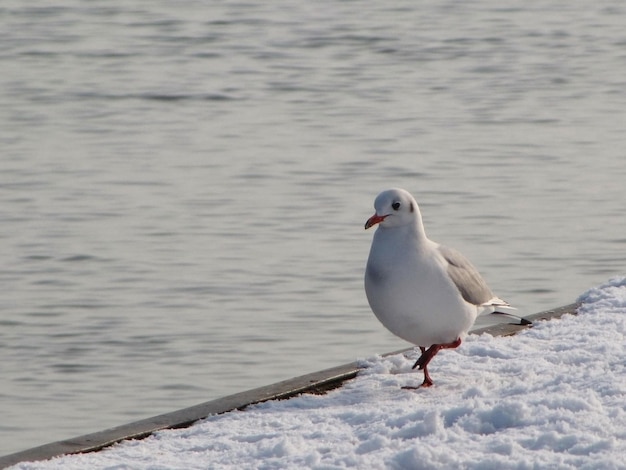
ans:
x=425 y=293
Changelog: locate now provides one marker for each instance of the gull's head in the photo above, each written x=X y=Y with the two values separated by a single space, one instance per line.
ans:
x=394 y=207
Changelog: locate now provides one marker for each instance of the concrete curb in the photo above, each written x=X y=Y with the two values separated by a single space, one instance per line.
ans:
x=317 y=382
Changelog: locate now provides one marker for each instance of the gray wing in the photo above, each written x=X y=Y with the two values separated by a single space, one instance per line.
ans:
x=467 y=279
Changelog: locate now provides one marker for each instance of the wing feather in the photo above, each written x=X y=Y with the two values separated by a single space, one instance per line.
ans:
x=466 y=277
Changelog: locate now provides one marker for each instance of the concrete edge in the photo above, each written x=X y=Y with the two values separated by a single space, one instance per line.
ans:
x=316 y=382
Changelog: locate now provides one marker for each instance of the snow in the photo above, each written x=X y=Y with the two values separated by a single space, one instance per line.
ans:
x=553 y=396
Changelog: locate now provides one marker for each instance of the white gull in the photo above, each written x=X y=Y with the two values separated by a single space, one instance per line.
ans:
x=425 y=293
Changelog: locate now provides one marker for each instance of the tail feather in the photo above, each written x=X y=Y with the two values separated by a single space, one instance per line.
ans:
x=497 y=306
x=521 y=320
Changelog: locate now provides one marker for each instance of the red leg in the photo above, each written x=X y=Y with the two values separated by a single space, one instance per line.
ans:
x=427 y=380
x=427 y=356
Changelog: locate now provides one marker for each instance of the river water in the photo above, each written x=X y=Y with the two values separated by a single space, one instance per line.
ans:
x=183 y=185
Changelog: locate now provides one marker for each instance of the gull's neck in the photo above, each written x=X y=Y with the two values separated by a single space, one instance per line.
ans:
x=414 y=230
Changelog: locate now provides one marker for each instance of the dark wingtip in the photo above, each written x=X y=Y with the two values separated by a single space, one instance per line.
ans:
x=524 y=321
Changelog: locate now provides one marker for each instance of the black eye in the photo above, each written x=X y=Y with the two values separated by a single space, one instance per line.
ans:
x=395 y=206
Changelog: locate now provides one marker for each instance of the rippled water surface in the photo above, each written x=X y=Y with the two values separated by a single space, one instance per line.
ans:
x=184 y=184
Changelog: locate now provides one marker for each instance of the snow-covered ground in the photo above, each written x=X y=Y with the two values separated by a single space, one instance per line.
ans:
x=553 y=396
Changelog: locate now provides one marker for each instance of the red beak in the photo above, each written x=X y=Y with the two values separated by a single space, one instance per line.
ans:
x=373 y=220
